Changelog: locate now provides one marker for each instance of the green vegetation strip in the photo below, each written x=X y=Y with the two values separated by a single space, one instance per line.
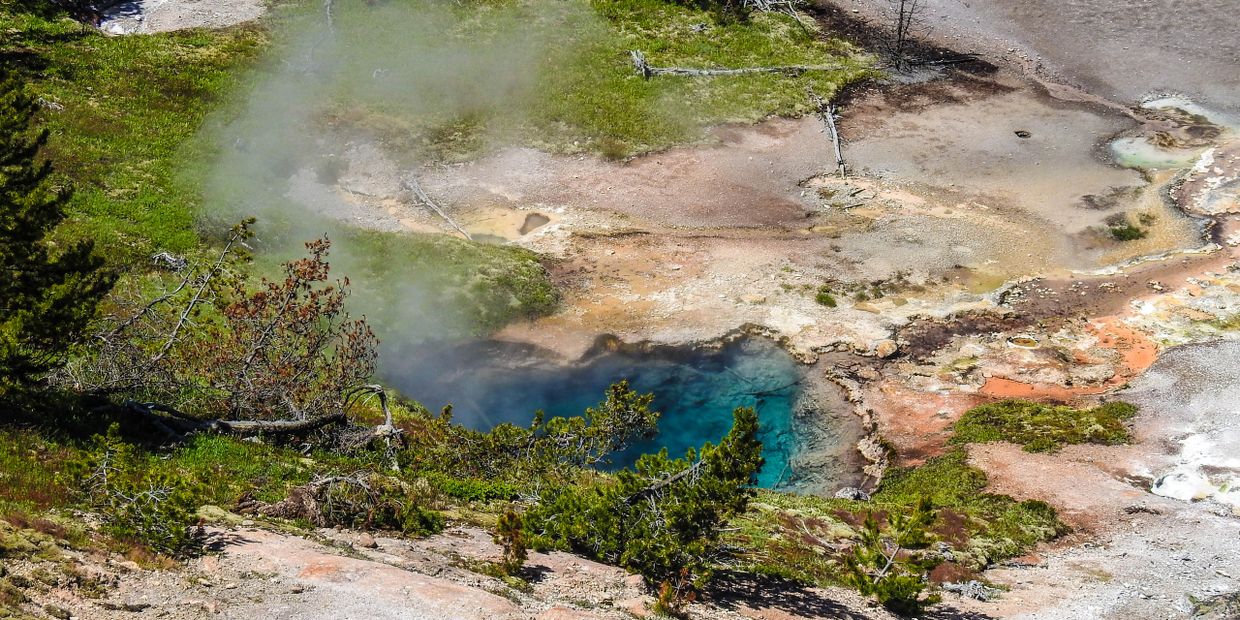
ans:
x=1044 y=428
x=789 y=536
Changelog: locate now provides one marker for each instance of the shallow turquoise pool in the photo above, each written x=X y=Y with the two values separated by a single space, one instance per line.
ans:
x=696 y=390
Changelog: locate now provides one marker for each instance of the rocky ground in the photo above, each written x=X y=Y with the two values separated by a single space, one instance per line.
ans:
x=148 y=16
x=255 y=572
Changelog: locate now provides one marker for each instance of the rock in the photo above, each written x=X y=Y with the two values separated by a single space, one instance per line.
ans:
x=885 y=348
x=57 y=612
x=130 y=607
x=973 y=589
x=634 y=581
x=366 y=541
x=561 y=612
x=852 y=493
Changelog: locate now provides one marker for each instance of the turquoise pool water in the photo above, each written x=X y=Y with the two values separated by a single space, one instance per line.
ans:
x=696 y=390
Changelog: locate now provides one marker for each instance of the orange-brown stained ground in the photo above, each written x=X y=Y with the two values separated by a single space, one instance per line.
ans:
x=1137 y=352
x=916 y=422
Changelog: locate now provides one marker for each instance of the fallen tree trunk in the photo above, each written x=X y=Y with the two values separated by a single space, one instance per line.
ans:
x=826 y=112
x=411 y=183
x=277 y=427
x=648 y=71
x=176 y=425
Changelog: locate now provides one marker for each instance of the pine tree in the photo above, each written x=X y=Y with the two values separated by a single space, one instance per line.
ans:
x=47 y=292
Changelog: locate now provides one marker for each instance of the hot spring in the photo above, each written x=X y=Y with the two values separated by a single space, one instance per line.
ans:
x=807 y=429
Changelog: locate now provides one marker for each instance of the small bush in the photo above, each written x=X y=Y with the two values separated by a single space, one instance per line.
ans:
x=510 y=533
x=138 y=497
x=1127 y=232
x=824 y=297
x=1044 y=428
x=888 y=562
x=997 y=526
x=364 y=500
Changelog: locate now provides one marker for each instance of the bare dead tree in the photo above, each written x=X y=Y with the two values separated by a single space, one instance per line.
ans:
x=646 y=70
x=787 y=7
x=906 y=16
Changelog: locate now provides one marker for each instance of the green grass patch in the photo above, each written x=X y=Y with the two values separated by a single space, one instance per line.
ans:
x=577 y=90
x=120 y=110
x=787 y=535
x=600 y=99
x=457 y=286
x=1044 y=428
x=29 y=463
x=1127 y=232
x=824 y=297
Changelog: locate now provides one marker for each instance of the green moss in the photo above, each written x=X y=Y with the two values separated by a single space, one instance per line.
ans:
x=481 y=286
x=824 y=297
x=1044 y=428
x=600 y=97
x=1230 y=323
x=995 y=526
x=226 y=468
x=471 y=489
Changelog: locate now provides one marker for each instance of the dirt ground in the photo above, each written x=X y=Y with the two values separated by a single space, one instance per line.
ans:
x=149 y=16
x=1115 y=50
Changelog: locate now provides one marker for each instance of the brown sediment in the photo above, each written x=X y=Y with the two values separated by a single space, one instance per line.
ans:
x=917 y=422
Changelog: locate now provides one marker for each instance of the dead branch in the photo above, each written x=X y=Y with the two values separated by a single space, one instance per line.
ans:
x=238 y=234
x=827 y=113
x=392 y=437
x=176 y=425
x=653 y=489
x=411 y=183
x=278 y=427
x=646 y=70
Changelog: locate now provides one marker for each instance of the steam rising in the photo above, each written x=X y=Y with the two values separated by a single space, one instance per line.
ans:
x=354 y=92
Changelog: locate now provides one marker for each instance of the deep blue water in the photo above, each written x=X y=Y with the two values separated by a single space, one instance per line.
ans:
x=696 y=390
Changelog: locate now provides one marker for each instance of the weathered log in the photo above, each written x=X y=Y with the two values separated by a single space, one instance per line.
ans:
x=176 y=425
x=278 y=427
x=411 y=183
x=827 y=113
x=646 y=70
